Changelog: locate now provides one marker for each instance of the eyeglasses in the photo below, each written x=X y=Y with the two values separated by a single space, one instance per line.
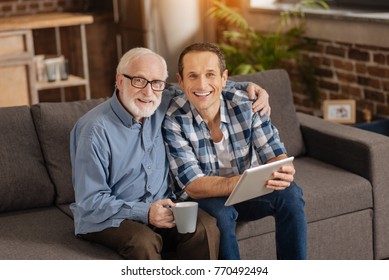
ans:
x=139 y=82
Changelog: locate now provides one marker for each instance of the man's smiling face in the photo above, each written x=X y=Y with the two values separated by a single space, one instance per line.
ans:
x=141 y=103
x=202 y=81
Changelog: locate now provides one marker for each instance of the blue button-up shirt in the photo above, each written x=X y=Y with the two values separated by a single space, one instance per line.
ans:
x=119 y=166
x=191 y=151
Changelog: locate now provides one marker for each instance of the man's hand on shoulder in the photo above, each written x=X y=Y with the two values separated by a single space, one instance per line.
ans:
x=261 y=98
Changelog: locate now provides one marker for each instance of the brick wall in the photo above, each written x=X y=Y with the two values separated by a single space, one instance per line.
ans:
x=22 y=7
x=349 y=71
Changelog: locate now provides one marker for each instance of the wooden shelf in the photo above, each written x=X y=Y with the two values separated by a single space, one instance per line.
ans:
x=17 y=54
x=72 y=81
x=44 y=20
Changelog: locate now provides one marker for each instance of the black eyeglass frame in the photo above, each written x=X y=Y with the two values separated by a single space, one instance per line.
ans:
x=147 y=82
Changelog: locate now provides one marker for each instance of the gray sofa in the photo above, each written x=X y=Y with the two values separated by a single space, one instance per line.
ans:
x=340 y=168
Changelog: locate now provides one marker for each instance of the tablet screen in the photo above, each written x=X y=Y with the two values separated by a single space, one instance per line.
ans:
x=252 y=182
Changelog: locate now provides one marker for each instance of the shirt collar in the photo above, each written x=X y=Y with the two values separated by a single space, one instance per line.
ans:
x=224 y=117
x=119 y=110
x=196 y=115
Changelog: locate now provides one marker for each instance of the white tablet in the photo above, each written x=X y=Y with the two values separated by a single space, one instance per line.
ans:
x=252 y=182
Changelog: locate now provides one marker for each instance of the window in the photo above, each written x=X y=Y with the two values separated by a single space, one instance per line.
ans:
x=371 y=4
x=360 y=4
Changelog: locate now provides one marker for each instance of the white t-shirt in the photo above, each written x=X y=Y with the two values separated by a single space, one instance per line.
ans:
x=223 y=154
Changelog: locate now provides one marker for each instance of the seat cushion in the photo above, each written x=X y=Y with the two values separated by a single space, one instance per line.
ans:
x=340 y=193
x=24 y=181
x=54 y=121
x=351 y=233
x=45 y=234
x=283 y=112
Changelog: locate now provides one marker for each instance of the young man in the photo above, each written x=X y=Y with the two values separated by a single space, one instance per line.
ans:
x=212 y=136
x=120 y=171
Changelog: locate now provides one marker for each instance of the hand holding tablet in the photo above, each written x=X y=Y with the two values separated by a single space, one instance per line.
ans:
x=252 y=182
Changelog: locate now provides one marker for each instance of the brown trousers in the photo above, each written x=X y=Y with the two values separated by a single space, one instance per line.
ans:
x=134 y=240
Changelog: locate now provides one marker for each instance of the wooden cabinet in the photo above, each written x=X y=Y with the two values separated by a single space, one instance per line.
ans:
x=18 y=84
x=130 y=22
x=16 y=67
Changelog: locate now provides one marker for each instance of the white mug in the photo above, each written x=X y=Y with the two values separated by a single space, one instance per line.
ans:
x=185 y=216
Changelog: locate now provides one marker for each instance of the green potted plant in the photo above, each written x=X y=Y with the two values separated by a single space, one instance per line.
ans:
x=247 y=50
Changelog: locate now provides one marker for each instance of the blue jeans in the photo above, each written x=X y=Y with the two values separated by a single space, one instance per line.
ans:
x=286 y=206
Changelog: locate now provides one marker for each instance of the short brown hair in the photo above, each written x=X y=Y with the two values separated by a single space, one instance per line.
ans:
x=202 y=47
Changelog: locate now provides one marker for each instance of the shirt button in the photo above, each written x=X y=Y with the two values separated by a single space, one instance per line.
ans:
x=149 y=167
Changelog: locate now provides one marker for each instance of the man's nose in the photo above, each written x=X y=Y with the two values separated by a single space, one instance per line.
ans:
x=202 y=81
x=147 y=90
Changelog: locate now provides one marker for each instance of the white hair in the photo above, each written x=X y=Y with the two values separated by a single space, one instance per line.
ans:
x=135 y=53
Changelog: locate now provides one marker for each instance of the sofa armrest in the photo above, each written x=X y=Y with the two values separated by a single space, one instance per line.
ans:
x=358 y=151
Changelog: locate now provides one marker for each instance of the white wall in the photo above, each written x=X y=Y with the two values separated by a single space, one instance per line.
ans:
x=357 y=27
x=173 y=24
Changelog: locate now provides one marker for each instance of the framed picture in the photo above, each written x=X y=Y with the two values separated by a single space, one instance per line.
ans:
x=340 y=111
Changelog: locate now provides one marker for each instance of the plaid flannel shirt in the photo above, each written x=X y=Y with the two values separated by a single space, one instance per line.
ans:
x=191 y=151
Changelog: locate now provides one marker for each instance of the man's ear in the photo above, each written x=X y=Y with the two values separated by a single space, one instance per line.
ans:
x=224 y=77
x=179 y=79
x=119 y=81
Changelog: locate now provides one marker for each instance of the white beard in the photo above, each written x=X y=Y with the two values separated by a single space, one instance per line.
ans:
x=142 y=112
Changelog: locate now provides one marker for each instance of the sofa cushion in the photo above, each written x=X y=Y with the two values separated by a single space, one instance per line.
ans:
x=45 y=234
x=283 y=112
x=54 y=121
x=347 y=237
x=340 y=193
x=24 y=181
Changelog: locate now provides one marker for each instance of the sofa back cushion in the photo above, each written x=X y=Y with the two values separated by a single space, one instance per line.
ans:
x=54 y=121
x=283 y=112
x=24 y=181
